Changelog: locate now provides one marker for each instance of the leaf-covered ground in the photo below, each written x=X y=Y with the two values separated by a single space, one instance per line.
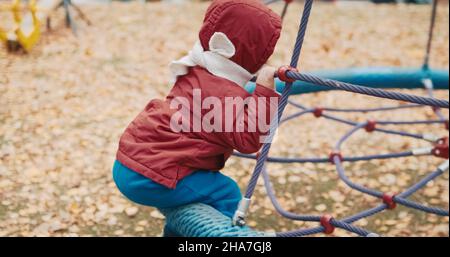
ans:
x=65 y=104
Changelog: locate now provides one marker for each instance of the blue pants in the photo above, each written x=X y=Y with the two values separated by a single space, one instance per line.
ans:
x=208 y=187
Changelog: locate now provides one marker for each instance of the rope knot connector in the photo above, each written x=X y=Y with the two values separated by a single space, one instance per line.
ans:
x=318 y=112
x=325 y=221
x=371 y=126
x=441 y=148
x=282 y=73
x=335 y=154
x=388 y=199
x=435 y=108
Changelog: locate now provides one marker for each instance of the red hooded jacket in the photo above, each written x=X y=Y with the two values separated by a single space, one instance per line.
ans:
x=150 y=147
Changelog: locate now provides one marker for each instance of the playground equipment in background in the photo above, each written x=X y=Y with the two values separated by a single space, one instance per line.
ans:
x=402 y=1
x=27 y=29
x=200 y=220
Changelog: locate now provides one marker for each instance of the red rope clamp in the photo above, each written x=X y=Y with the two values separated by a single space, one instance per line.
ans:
x=282 y=73
x=318 y=112
x=325 y=221
x=334 y=154
x=441 y=148
x=288 y=1
x=371 y=125
x=388 y=199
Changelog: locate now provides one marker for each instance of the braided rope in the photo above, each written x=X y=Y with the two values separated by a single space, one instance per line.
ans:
x=368 y=90
x=283 y=101
x=430 y=34
x=327 y=159
x=285 y=8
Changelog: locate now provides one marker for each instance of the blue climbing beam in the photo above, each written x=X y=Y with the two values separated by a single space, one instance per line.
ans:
x=375 y=77
x=201 y=220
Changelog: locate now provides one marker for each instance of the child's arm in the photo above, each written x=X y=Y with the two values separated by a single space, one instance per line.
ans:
x=266 y=77
x=251 y=142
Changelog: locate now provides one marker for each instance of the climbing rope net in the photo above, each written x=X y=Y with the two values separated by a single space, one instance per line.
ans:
x=327 y=223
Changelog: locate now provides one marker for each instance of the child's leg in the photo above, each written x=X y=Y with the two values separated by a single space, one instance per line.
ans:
x=209 y=187
x=215 y=189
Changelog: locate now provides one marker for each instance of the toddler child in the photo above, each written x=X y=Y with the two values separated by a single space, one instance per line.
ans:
x=163 y=167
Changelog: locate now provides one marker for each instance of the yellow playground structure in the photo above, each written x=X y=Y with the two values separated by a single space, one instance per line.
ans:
x=25 y=30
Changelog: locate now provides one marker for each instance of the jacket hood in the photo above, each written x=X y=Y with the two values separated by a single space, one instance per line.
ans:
x=251 y=26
